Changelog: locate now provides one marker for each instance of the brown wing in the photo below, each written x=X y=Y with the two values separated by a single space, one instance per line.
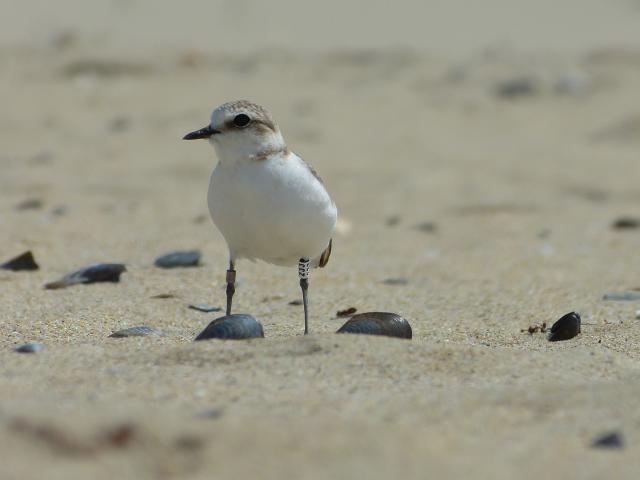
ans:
x=324 y=258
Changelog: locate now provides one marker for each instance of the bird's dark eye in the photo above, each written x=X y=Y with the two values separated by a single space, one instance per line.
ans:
x=241 y=120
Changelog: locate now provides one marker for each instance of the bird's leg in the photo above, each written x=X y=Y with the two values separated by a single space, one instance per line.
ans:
x=231 y=285
x=303 y=273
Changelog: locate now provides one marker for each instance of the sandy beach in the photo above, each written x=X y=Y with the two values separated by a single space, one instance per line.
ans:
x=478 y=178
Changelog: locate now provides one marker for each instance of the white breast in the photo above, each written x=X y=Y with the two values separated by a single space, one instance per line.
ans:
x=273 y=210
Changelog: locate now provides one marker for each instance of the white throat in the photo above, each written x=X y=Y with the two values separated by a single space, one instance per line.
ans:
x=233 y=146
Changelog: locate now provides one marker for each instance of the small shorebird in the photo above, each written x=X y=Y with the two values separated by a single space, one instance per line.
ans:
x=268 y=203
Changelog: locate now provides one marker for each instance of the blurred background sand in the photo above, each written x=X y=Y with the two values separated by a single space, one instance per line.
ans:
x=479 y=152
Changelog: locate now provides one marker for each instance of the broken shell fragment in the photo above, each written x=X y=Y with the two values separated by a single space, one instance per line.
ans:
x=30 y=348
x=24 y=261
x=204 y=308
x=621 y=297
x=99 y=272
x=610 y=440
x=140 y=331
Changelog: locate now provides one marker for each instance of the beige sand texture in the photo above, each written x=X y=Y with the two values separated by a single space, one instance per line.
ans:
x=398 y=109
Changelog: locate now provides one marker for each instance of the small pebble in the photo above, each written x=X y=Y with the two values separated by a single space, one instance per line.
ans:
x=30 y=348
x=232 y=327
x=271 y=298
x=141 y=331
x=200 y=218
x=612 y=440
x=517 y=87
x=24 y=261
x=30 y=204
x=396 y=281
x=99 y=272
x=535 y=329
x=59 y=211
x=393 y=220
x=622 y=296
x=637 y=314
x=210 y=414
x=119 y=124
x=190 y=258
x=378 y=323
x=201 y=307
x=120 y=436
x=162 y=296
x=565 y=328
x=626 y=223
x=571 y=83
x=426 y=227
x=347 y=312
x=295 y=302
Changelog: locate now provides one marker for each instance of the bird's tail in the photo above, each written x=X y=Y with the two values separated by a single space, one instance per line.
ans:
x=324 y=258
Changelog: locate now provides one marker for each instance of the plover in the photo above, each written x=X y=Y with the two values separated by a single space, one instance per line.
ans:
x=268 y=203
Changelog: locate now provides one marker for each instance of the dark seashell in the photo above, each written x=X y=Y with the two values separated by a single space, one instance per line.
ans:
x=30 y=204
x=626 y=223
x=30 y=348
x=347 y=312
x=566 y=328
x=99 y=272
x=622 y=296
x=396 y=281
x=517 y=87
x=205 y=308
x=613 y=440
x=233 y=327
x=24 y=261
x=163 y=296
x=189 y=258
x=141 y=331
x=426 y=227
x=378 y=323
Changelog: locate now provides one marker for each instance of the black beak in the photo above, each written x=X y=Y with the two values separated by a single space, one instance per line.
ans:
x=205 y=132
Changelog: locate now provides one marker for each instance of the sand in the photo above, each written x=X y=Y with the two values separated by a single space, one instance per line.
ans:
x=405 y=127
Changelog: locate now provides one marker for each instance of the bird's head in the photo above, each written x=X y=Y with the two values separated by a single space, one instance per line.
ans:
x=240 y=129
